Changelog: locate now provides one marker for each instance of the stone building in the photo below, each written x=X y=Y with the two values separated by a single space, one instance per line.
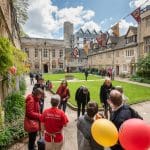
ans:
x=123 y=52
x=44 y=55
x=9 y=28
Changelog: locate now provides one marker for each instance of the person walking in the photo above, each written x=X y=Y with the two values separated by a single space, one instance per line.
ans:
x=31 y=78
x=32 y=116
x=104 y=95
x=64 y=93
x=82 y=97
x=84 y=136
x=86 y=74
x=53 y=120
x=40 y=84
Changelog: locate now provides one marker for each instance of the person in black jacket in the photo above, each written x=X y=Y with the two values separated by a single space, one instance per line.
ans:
x=82 y=97
x=104 y=95
x=120 y=112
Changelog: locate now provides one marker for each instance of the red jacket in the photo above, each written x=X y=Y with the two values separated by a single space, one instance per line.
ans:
x=63 y=92
x=32 y=114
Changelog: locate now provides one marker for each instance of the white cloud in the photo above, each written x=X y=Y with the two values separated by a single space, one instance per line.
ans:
x=91 y=26
x=137 y=3
x=124 y=25
x=45 y=19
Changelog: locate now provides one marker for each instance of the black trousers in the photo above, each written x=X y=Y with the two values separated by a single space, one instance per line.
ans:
x=79 y=105
x=41 y=102
x=32 y=138
x=63 y=105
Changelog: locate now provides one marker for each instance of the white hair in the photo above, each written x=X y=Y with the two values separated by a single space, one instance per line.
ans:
x=56 y=97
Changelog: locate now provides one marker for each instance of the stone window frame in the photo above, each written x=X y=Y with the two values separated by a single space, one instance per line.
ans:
x=61 y=53
x=53 y=64
x=61 y=65
x=45 y=52
x=147 y=44
x=36 y=52
x=53 y=53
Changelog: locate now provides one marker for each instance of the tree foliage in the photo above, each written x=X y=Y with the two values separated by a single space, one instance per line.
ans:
x=21 y=7
x=143 y=67
x=9 y=56
x=6 y=55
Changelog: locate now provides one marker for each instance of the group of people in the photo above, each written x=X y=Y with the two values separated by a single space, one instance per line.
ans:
x=52 y=120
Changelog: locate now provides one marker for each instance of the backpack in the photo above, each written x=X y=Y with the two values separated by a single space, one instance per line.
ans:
x=134 y=114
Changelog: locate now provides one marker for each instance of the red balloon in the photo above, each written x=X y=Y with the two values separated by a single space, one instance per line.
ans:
x=13 y=70
x=134 y=135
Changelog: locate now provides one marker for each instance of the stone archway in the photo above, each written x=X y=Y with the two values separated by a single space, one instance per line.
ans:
x=45 y=68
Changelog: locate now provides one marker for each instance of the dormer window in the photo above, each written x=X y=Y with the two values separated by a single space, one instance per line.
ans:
x=131 y=39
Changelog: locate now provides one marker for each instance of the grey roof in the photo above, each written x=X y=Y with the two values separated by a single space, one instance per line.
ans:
x=121 y=42
x=113 y=39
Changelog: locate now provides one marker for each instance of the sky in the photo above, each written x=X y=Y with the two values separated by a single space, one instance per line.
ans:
x=46 y=17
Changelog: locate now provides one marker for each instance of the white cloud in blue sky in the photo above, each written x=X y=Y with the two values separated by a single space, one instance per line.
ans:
x=46 y=17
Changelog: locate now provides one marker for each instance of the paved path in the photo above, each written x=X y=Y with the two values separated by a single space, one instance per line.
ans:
x=70 y=131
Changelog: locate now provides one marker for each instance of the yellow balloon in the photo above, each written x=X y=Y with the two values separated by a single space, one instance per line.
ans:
x=104 y=132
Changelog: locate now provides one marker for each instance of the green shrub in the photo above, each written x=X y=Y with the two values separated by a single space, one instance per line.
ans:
x=22 y=86
x=14 y=106
x=11 y=133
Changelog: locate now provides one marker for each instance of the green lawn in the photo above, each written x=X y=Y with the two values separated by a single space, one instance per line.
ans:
x=135 y=93
x=58 y=77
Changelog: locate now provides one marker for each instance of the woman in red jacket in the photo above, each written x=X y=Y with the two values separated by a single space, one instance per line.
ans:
x=32 y=116
x=64 y=94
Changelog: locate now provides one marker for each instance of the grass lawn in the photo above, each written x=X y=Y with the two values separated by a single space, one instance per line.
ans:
x=135 y=93
x=58 y=77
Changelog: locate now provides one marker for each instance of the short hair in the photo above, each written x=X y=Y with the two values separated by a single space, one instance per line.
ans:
x=115 y=97
x=55 y=100
x=92 y=109
x=38 y=91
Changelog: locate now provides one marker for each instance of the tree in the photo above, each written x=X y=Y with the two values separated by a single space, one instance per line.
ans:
x=21 y=7
x=143 y=67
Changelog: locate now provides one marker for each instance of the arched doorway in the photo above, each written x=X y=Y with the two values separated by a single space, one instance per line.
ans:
x=45 y=67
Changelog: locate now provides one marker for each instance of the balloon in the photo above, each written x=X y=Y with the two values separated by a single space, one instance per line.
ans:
x=104 y=132
x=13 y=70
x=134 y=135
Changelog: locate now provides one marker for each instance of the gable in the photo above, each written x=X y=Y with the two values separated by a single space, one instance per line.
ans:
x=130 y=33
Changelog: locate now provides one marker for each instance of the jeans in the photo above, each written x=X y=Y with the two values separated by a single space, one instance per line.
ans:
x=63 y=105
x=79 y=104
x=32 y=138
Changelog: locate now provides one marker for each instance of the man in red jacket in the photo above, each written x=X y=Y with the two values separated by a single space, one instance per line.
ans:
x=32 y=116
x=54 y=120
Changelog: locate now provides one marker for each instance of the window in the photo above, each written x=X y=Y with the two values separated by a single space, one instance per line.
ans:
x=45 y=52
x=148 y=22
x=53 y=64
x=131 y=39
x=61 y=65
x=147 y=45
x=36 y=52
x=36 y=66
x=129 y=53
x=26 y=51
x=53 y=53
x=61 y=53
